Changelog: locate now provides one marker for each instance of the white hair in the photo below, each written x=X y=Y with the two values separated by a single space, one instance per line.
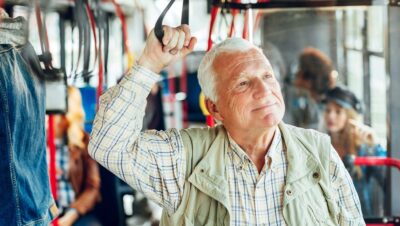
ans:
x=206 y=73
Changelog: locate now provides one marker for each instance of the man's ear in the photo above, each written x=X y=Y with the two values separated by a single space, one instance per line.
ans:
x=213 y=110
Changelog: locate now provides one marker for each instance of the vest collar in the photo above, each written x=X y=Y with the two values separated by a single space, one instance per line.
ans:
x=210 y=175
x=300 y=159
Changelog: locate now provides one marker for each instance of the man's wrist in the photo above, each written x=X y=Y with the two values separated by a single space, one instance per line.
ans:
x=148 y=65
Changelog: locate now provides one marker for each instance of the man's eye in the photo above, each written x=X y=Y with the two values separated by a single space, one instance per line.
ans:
x=244 y=83
x=267 y=76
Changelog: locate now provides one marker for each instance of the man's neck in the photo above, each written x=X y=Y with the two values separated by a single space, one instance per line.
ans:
x=254 y=143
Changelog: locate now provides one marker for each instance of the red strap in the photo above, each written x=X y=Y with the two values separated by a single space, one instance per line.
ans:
x=377 y=161
x=245 y=33
x=52 y=160
x=99 y=90
x=93 y=26
x=234 y=13
x=183 y=85
x=257 y=21
x=232 y=28
x=121 y=16
x=214 y=13
x=98 y=53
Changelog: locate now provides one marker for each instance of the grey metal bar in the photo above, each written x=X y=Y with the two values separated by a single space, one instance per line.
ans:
x=366 y=71
x=298 y=4
x=394 y=106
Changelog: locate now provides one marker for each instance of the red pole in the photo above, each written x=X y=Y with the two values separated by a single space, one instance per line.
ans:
x=183 y=85
x=52 y=161
x=214 y=13
x=172 y=91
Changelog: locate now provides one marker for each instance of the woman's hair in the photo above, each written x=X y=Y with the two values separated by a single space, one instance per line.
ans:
x=350 y=140
x=347 y=100
x=316 y=68
x=75 y=118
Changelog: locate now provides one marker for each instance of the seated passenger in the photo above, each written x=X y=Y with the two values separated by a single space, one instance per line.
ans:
x=78 y=179
x=352 y=138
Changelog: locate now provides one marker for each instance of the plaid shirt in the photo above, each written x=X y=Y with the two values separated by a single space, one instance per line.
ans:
x=154 y=161
x=65 y=192
x=257 y=198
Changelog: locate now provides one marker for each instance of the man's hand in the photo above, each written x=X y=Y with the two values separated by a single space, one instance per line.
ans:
x=177 y=42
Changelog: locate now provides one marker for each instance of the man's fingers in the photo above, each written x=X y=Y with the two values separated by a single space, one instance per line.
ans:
x=185 y=28
x=168 y=32
x=186 y=50
x=172 y=43
x=179 y=45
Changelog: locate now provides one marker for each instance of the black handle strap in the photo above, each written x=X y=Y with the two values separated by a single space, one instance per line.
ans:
x=158 y=30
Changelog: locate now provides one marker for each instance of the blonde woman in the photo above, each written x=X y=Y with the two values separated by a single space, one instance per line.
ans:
x=78 y=179
x=350 y=137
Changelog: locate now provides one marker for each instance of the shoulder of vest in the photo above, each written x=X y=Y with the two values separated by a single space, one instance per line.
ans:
x=318 y=143
x=197 y=142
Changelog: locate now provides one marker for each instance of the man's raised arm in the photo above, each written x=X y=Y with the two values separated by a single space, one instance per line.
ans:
x=153 y=161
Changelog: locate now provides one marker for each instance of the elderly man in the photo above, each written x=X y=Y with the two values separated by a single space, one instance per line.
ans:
x=250 y=170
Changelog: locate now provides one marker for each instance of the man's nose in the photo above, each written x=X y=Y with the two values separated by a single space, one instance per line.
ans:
x=262 y=89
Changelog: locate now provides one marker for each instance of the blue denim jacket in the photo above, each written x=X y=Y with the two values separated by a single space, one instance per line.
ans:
x=24 y=183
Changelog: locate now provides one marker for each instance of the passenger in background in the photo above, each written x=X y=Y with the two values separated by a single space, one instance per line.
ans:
x=78 y=179
x=316 y=76
x=350 y=137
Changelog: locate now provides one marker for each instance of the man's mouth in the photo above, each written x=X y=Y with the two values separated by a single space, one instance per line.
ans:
x=265 y=106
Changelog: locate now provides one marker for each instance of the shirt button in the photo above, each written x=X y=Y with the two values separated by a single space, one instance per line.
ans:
x=289 y=192
x=315 y=175
x=202 y=170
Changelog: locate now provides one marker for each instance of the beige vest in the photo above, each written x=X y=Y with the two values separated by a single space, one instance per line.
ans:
x=307 y=195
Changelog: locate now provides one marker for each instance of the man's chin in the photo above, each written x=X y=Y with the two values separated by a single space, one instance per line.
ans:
x=270 y=121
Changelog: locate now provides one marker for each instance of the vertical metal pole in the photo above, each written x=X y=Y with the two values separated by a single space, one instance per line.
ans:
x=62 y=41
x=394 y=106
x=343 y=40
x=367 y=77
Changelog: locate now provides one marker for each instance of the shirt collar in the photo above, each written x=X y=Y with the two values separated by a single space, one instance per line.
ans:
x=272 y=155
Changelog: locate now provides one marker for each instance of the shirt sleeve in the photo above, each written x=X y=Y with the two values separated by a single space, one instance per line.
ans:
x=152 y=162
x=345 y=194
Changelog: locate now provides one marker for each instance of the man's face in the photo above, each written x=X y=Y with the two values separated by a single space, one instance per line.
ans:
x=249 y=96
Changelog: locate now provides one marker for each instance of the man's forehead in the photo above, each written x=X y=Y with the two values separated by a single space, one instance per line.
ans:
x=235 y=59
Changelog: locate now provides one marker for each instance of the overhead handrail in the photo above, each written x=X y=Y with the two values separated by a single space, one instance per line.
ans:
x=158 y=29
